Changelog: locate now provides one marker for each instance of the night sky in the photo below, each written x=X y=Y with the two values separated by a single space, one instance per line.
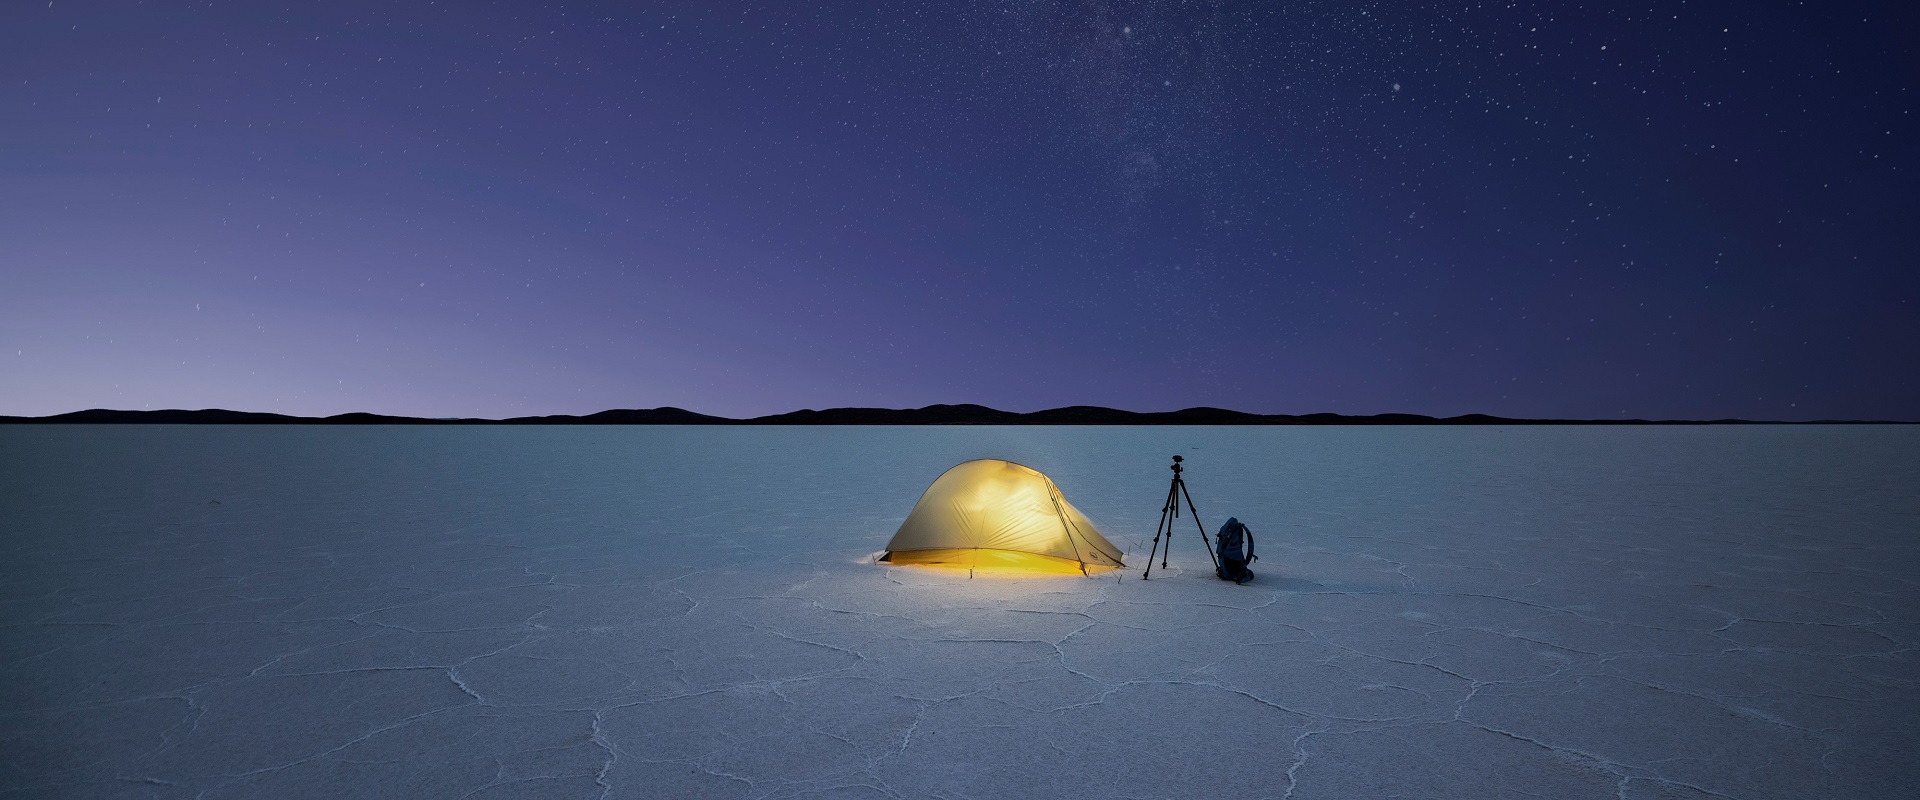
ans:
x=491 y=209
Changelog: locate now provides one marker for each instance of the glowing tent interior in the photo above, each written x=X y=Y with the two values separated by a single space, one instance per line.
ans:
x=996 y=514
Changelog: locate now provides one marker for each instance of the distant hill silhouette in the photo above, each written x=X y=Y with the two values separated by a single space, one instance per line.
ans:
x=964 y=414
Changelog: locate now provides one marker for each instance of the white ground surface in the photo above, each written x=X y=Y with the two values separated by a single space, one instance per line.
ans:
x=661 y=612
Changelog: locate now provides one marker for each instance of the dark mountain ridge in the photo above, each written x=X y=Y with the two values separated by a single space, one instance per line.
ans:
x=962 y=414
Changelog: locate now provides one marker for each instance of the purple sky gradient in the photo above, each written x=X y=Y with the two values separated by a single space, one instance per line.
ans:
x=505 y=209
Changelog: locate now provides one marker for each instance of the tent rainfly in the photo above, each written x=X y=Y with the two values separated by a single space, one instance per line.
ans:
x=996 y=514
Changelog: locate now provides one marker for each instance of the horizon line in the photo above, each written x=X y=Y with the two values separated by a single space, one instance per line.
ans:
x=937 y=414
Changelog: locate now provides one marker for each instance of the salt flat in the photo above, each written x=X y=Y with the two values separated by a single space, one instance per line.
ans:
x=1565 y=612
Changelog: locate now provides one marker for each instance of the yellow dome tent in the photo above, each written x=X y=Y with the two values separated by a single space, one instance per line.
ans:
x=996 y=514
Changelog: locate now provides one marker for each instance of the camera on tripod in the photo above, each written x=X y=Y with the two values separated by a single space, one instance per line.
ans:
x=1168 y=513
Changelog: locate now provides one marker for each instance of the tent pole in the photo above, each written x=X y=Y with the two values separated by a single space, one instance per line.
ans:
x=1053 y=494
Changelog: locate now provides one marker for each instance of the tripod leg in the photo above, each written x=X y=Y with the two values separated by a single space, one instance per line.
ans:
x=1196 y=523
x=1173 y=503
x=1156 y=544
x=1173 y=507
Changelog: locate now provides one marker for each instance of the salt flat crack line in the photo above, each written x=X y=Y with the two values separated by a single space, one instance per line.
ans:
x=599 y=738
x=343 y=746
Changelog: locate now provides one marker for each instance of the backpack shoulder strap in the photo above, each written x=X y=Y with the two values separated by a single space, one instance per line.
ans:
x=1248 y=532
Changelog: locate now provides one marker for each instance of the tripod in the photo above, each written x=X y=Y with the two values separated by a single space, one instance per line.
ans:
x=1168 y=513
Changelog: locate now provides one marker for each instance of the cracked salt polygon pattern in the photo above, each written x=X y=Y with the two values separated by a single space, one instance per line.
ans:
x=1565 y=612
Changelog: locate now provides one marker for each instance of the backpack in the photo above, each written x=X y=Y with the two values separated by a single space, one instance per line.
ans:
x=1234 y=545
